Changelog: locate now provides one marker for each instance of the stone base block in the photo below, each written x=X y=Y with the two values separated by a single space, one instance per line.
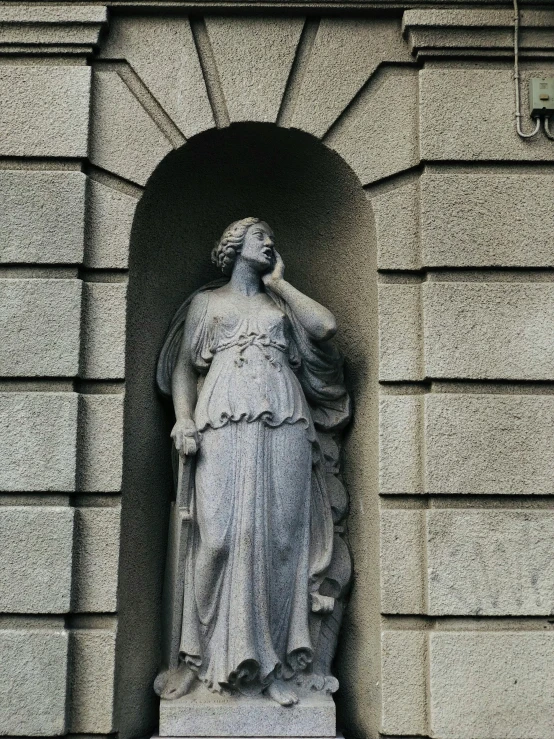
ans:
x=204 y=714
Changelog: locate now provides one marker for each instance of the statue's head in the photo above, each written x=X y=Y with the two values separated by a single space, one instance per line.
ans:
x=252 y=238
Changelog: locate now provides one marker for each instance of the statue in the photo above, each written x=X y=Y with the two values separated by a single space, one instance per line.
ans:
x=257 y=566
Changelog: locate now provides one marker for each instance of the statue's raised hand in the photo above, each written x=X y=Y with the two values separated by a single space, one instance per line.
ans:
x=277 y=273
x=185 y=437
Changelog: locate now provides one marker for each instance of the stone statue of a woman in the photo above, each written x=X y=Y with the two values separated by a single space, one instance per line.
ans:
x=255 y=386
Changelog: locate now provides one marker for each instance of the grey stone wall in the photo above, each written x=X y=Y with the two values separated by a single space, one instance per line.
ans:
x=449 y=633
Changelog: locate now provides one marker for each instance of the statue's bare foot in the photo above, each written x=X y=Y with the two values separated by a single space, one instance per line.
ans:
x=177 y=683
x=161 y=681
x=282 y=695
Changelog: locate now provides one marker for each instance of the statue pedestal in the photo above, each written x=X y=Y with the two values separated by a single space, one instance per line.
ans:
x=205 y=714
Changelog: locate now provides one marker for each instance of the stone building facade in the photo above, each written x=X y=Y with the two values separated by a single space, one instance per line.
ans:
x=378 y=138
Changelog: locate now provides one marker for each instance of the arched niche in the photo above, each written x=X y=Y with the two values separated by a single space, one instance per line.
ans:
x=324 y=231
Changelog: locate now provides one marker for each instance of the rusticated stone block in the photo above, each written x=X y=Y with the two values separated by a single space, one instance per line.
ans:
x=91 y=675
x=396 y=214
x=474 y=444
x=96 y=560
x=403 y=695
x=400 y=451
x=103 y=346
x=39 y=327
x=400 y=332
x=36 y=546
x=100 y=443
x=474 y=330
x=45 y=110
x=109 y=217
x=38 y=440
x=486 y=219
x=124 y=138
x=42 y=216
x=511 y=569
x=33 y=678
x=492 y=685
x=402 y=561
x=489 y=330
x=371 y=136
x=483 y=127
x=425 y=556
x=489 y=444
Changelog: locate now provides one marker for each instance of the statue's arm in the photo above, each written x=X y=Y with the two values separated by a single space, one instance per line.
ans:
x=183 y=386
x=319 y=322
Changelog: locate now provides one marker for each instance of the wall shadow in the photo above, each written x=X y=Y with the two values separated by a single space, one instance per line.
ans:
x=324 y=231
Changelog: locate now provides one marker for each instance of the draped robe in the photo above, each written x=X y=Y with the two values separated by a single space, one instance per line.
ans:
x=263 y=530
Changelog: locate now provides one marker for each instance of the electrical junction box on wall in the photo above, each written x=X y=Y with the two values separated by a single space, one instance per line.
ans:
x=541 y=96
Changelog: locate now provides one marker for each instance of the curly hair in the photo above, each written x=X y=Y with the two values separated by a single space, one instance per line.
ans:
x=230 y=244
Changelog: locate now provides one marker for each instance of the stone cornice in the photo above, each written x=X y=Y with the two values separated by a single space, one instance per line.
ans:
x=282 y=5
x=433 y=32
x=49 y=29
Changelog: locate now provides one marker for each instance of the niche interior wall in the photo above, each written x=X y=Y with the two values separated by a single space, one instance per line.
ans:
x=325 y=233
x=449 y=631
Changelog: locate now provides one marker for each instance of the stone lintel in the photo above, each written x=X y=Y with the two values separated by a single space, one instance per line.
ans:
x=39 y=29
x=439 y=32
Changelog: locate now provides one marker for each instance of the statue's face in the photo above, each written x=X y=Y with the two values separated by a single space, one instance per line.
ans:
x=257 y=247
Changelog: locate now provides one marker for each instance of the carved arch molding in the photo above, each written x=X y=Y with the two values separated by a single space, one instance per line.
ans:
x=158 y=81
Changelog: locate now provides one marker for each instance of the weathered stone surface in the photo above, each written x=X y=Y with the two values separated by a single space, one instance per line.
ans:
x=486 y=219
x=400 y=453
x=124 y=139
x=402 y=561
x=37 y=437
x=489 y=444
x=42 y=216
x=400 y=332
x=69 y=28
x=35 y=559
x=511 y=570
x=403 y=696
x=96 y=559
x=91 y=675
x=477 y=31
x=253 y=57
x=33 y=676
x=100 y=443
x=162 y=52
x=44 y=111
x=372 y=137
x=39 y=327
x=109 y=217
x=483 y=127
x=103 y=345
x=396 y=214
x=346 y=52
x=489 y=330
x=203 y=713
x=54 y=15
x=492 y=685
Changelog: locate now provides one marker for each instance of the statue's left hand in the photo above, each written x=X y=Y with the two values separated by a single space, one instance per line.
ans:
x=277 y=273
